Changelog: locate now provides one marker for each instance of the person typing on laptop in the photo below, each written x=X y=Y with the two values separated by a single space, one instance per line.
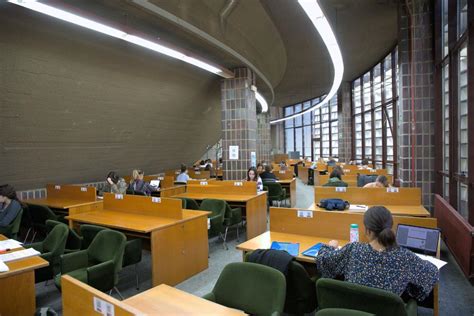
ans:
x=381 y=263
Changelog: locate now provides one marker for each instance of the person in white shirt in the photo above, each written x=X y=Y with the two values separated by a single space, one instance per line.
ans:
x=252 y=176
x=183 y=176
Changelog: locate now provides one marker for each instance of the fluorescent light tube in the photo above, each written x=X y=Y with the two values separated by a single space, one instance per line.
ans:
x=262 y=101
x=316 y=15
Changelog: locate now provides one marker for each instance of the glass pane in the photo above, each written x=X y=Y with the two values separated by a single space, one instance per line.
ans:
x=368 y=134
x=378 y=134
x=462 y=16
x=462 y=200
x=444 y=26
x=445 y=114
x=299 y=140
x=446 y=188
x=388 y=77
x=289 y=111
x=298 y=120
x=462 y=112
x=334 y=139
x=388 y=131
x=307 y=116
x=367 y=92
x=357 y=105
x=307 y=141
x=377 y=85
x=289 y=140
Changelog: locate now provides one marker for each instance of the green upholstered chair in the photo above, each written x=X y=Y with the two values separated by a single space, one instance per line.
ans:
x=133 y=247
x=39 y=214
x=217 y=209
x=11 y=231
x=300 y=290
x=341 y=312
x=275 y=192
x=73 y=242
x=232 y=217
x=253 y=288
x=340 y=294
x=51 y=248
x=97 y=265
x=190 y=204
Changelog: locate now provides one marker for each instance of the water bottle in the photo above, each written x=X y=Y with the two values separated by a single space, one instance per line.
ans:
x=354 y=233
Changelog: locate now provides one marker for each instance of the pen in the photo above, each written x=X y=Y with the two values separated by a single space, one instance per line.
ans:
x=4 y=251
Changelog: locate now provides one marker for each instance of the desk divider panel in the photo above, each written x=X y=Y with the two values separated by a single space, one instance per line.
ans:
x=78 y=299
x=166 y=181
x=370 y=196
x=284 y=175
x=71 y=192
x=334 y=225
x=172 y=173
x=144 y=205
x=224 y=187
x=348 y=178
x=145 y=178
x=202 y=174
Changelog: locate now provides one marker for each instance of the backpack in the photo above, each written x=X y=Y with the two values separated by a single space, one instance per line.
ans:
x=333 y=204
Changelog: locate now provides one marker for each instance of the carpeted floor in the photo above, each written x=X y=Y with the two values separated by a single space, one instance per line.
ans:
x=456 y=293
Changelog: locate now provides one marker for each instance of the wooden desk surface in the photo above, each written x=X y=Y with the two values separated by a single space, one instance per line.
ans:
x=132 y=222
x=226 y=197
x=167 y=300
x=265 y=240
x=286 y=181
x=60 y=203
x=402 y=210
x=23 y=265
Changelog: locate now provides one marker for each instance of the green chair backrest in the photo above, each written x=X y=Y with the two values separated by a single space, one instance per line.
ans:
x=88 y=233
x=253 y=288
x=73 y=242
x=190 y=204
x=108 y=245
x=274 y=189
x=55 y=241
x=341 y=312
x=39 y=214
x=217 y=207
x=341 y=294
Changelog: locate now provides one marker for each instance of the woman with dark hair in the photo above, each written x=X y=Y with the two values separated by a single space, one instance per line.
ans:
x=115 y=184
x=253 y=176
x=335 y=179
x=381 y=263
x=9 y=205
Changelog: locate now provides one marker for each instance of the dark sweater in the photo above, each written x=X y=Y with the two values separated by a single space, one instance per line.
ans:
x=9 y=213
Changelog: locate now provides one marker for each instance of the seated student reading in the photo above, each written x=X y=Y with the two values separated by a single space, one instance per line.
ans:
x=380 y=182
x=137 y=184
x=268 y=175
x=364 y=164
x=335 y=179
x=115 y=184
x=10 y=206
x=252 y=175
x=183 y=176
x=381 y=263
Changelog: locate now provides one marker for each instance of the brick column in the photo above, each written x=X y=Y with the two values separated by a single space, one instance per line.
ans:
x=345 y=122
x=417 y=129
x=264 y=143
x=239 y=123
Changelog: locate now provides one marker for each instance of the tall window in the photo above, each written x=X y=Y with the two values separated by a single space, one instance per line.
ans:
x=462 y=132
x=373 y=114
x=315 y=134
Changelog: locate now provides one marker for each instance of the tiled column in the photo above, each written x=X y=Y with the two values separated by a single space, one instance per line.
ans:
x=264 y=143
x=416 y=128
x=277 y=131
x=345 y=122
x=239 y=123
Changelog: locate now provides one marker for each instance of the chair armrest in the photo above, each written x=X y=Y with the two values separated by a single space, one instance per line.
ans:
x=38 y=246
x=210 y=297
x=73 y=261
x=283 y=192
x=101 y=276
x=48 y=256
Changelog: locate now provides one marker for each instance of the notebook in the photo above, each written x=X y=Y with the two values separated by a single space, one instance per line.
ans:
x=313 y=251
x=17 y=255
x=9 y=244
x=292 y=248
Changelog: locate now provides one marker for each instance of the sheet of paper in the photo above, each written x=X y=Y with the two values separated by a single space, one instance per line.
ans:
x=438 y=263
x=3 y=267
x=358 y=208
x=17 y=255
x=9 y=244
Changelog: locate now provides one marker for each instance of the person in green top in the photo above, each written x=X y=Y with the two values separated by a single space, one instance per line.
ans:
x=335 y=179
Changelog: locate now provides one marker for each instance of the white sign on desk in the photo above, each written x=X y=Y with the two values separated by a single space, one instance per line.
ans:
x=156 y=199
x=103 y=307
x=238 y=184
x=305 y=214
x=233 y=152
x=83 y=189
x=340 y=189
x=57 y=187
x=392 y=190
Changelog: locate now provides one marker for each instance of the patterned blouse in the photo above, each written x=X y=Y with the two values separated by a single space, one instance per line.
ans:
x=394 y=270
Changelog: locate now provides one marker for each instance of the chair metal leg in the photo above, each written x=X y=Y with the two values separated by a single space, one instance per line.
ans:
x=136 y=275
x=224 y=238
x=34 y=235
x=238 y=239
x=27 y=234
x=118 y=292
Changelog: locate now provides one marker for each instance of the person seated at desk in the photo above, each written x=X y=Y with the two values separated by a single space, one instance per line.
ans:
x=283 y=166
x=259 y=168
x=183 y=176
x=331 y=162
x=202 y=165
x=335 y=179
x=380 y=182
x=137 y=184
x=381 y=263
x=268 y=175
x=115 y=184
x=10 y=206
x=364 y=164
x=252 y=175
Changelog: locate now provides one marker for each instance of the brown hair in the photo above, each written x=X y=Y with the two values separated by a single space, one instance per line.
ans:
x=379 y=221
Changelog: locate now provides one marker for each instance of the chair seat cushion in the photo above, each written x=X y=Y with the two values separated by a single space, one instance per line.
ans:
x=79 y=274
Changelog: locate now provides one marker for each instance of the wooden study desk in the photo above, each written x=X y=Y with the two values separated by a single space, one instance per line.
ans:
x=303 y=173
x=287 y=224
x=290 y=186
x=17 y=286
x=78 y=299
x=400 y=210
x=241 y=195
x=350 y=179
x=69 y=199
x=177 y=238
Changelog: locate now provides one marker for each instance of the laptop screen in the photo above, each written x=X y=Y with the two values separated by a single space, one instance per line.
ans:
x=155 y=183
x=418 y=239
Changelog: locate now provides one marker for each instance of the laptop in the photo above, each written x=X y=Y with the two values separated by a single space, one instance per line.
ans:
x=155 y=183
x=421 y=240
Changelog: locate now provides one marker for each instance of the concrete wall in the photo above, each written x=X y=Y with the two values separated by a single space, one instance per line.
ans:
x=75 y=104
